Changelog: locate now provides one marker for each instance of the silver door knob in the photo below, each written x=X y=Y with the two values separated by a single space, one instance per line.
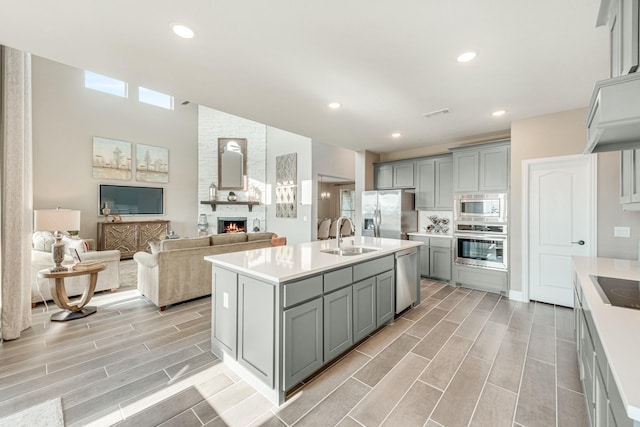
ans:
x=579 y=242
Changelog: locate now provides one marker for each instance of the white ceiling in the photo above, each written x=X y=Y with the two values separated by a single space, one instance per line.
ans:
x=388 y=62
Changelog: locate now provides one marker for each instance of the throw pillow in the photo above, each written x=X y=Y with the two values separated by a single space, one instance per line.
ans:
x=42 y=241
x=154 y=246
x=76 y=243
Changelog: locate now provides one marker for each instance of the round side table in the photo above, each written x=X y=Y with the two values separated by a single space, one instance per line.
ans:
x=72 y=309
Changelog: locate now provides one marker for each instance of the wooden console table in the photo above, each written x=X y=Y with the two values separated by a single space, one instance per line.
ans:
x=76 y=309
x=131 y=236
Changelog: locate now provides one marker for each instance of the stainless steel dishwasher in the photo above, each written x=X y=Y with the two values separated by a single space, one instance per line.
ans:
x=406 y=278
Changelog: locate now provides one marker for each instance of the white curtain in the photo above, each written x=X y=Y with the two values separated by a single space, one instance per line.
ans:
x=16 y=195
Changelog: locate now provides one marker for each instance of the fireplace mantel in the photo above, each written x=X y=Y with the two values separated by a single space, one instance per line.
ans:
x=213 y=204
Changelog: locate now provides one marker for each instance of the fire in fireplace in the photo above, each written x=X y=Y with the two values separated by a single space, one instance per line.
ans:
x=232 y=225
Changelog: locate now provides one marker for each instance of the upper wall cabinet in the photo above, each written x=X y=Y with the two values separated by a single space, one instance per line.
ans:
x=481 y=168
x=395 y=175
x=434 y=183
x=622 y=18
x=613 y=120
x=630 y=180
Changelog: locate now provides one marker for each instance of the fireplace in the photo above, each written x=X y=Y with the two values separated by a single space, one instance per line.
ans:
x=232 y=225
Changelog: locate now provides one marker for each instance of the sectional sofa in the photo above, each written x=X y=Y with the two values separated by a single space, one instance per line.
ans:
x=176 y=271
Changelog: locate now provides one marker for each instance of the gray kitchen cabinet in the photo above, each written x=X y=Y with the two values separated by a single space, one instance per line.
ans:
x=435 y=257
x=604 y=403
x=630 y=179
x=434 y=184
x=404 y=175
x=303 y=338
x=481 y=278
x=621 y=16
x=256 y=326
x=440 y=263
x=364 y=308
x=338 y=323
x=481 y=169
x=444 y=184
x=395 y=175
x=425 y=184
x=224 y=316
x=494 y=169
x=384 y=177
x=465 y=171
x=385 y=297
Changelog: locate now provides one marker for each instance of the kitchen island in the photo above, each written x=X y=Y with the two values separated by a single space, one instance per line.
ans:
x=280 y=314
x=608 y=343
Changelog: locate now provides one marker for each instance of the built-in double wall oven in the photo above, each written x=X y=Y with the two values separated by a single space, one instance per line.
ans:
x=480 y=231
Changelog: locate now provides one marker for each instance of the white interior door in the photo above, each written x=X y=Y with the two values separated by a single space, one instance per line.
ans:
x=561 y=223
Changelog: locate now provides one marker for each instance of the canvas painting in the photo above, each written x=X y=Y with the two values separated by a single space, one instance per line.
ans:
x=111 y=159
x=286 y=188
x=286 y=206
x=152 y=163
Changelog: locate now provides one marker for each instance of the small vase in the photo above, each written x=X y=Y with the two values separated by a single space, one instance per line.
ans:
x=232 y=197
x=203 y=225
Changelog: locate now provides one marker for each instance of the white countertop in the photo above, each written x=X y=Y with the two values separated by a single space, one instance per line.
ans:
x=284 y=263
x=618 y=328
x=425 y=234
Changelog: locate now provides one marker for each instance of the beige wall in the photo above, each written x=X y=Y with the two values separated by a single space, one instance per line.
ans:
x=66 y=117
x=610 y=213
x=551 y=135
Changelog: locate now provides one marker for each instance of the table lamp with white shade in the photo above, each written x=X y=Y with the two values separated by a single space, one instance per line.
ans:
x=56 y=220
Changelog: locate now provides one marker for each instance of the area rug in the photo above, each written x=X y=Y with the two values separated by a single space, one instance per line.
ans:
x=47 y=414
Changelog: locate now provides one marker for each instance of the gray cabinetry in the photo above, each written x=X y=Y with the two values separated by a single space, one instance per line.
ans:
x=494 y=169
x=435 y=257
x=604 y=404
x=403 y=175
x=225 y=313
x=440 y=262
x=384 y=177
x=621 y=16
x=395 y=175
x=385 y=301
x=630 y=179
x=256 y=325
x=302 y=333
x=364 y=308
x=434 y=184
x=481 y=278
x=484 y=168
x=465 y=171
x=338 y=327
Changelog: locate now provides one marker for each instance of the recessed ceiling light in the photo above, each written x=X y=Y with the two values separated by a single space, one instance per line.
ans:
x=183 y=31
x=467 y=56
x=396 y=134
x=335 y=105
x=498 y=113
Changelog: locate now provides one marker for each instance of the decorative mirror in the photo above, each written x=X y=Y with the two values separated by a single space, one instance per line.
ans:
x=232 y=163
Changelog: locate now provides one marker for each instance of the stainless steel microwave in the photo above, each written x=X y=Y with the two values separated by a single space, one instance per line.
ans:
x=481 y=207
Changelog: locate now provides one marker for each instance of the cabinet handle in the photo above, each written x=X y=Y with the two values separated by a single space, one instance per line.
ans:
x=580 y=242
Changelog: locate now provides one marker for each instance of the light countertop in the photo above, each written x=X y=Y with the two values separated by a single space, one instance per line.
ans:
x=284 y=263
x=425 y=234
x=617 y=327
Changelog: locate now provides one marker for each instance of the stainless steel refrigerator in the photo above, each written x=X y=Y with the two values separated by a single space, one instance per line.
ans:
x=389 y=213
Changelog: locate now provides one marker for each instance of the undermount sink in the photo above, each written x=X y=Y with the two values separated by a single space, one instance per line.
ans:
x=349 y=251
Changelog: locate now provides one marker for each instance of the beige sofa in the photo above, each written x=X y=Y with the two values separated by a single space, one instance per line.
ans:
x=109 y=278
x=176 y=271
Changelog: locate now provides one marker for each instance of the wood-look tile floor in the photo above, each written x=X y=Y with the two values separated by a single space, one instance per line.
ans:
x=460 y=358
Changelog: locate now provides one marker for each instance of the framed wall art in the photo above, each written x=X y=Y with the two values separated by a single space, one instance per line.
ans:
x=111 y=159
x=152 y=163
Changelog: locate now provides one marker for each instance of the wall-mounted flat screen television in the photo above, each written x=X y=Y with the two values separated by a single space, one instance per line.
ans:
x=130 y=200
